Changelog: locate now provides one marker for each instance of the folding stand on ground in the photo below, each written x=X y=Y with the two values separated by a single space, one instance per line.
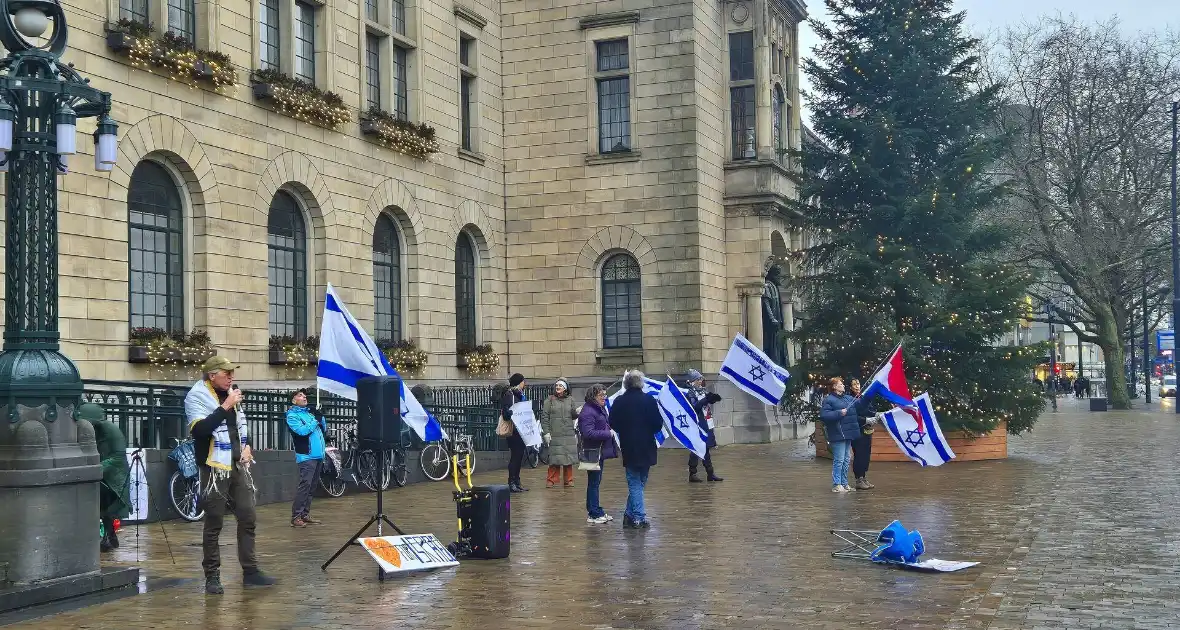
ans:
x=858 y=544
x=378 y=518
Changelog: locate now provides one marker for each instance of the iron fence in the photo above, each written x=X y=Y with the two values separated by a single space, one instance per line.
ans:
x=152 y=415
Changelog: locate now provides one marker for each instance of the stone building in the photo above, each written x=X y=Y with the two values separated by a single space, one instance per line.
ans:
x=608 y=186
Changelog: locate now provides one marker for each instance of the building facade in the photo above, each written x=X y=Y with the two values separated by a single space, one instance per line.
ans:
x=610 y=180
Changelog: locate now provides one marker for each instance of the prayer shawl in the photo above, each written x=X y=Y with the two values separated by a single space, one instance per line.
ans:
x=200 y=402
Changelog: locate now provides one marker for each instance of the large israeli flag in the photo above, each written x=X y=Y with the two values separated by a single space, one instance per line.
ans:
x=681 y=419
x=753 y=372
x=348 y=354
x=651 y=388
x=917 y=434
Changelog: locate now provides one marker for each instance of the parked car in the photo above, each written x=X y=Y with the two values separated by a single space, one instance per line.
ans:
x=1168 y=388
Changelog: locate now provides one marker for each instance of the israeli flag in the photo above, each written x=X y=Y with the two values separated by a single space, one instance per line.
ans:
x=348 y=354
x=752 y=371
x=680 y=418
x=651 y=388
x=917 y=434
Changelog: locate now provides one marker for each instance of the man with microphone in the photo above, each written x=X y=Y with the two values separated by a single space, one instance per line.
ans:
x=222 y=447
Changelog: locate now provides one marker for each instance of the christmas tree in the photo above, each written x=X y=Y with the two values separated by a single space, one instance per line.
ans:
x=897 y=195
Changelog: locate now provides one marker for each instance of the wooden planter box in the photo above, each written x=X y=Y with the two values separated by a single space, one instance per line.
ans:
x=994 y=445
x=139 y=354
x=281 y=357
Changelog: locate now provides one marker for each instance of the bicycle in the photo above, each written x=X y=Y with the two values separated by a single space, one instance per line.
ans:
x=360 y=464
x=436 y=457
x=184 y=487
x=395 y=462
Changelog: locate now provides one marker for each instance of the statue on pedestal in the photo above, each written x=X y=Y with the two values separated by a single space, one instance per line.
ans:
x=772 y=317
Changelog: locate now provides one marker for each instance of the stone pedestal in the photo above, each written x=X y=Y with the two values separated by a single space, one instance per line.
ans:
x=742 y=419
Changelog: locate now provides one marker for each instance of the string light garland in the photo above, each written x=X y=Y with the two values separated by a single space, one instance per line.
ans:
x=301 y=100
x=405 y=356
x=174 y=55
x=173 y=348
x=481 y=361
x=413 y=139
x=297 y=353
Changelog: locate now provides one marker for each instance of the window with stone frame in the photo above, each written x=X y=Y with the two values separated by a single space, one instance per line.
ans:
x=286 y=241
x=743 y=136
x=612 y=75
x=387 y=280
x=305 y=42
x=176 y=17
x=466 y=283
x=135 y=10
x=386 y=56
x=270 y=44
x=468 y=92
x=622 y=313
x=182 y=19
x=778 y=112
x=155 y=222
x=292 y=39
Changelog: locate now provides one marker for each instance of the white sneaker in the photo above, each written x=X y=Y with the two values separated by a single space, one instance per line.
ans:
x=848 y=488
x=596 y=521
x=608 y=517
x=838 y=489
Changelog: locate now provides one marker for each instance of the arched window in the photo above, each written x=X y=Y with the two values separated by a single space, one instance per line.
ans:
x=286 y=240
x=387 y=280
x=622 y=325
x=465 y=338
x=155 y=218
x=777 y=103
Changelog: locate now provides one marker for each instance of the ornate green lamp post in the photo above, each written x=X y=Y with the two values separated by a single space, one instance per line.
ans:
x=49 y=468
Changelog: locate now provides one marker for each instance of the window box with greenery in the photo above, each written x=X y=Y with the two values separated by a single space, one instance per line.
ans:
x=287 y=350
x=405 y=356
x=299 y=99
x=479 y=361
x=171 y=53
x=160 y=347
x=413 y=139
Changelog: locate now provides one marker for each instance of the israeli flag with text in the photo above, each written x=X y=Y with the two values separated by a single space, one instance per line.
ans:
x=348 y=354
x=680 y=418
x=651 y=388
x=752 y=371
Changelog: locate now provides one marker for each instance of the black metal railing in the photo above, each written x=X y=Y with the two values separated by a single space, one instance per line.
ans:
x=152 y=415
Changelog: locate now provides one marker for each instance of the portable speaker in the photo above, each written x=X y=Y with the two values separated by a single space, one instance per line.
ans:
x=378 y=411
x=485 y=521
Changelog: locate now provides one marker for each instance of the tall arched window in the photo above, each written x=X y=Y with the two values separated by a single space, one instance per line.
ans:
x=286 y=240
x=465 y=335
x=777 y=102
x=387 y=280
x=155 y=218
x=622 y=325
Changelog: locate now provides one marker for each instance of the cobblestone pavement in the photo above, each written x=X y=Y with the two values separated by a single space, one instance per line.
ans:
x=1077 y=529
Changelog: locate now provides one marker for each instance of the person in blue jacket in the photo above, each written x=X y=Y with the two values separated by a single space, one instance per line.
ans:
x=307 y=436
x=839 y=414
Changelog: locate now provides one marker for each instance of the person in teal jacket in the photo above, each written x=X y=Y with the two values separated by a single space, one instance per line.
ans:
x=307 y=436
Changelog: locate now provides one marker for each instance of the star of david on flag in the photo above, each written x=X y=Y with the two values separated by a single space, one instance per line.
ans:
x=917 y=434
x=680 y=419
x=651 y=388
x=752 y=371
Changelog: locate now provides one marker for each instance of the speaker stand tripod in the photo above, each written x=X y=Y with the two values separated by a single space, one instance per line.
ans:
x=378 y=518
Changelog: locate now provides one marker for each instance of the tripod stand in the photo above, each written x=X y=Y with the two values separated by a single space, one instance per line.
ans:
x=142 y=480
x=378 y=518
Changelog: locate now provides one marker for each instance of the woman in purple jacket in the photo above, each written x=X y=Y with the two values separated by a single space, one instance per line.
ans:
x=594 y=427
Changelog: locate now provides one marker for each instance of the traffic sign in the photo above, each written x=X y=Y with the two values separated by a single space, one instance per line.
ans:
x=1165 y=340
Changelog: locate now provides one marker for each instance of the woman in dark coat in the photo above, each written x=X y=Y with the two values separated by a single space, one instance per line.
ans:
x=594 y=427
x=558 y=420
x=862 y=446
x=839 y=415
x=511 y=396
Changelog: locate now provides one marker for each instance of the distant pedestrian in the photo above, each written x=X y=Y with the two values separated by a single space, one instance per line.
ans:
x=511 y=396
x=558 y=426
x=594 y=428
x=635 y=417
x=221 y=442
x=838 y=413
x=307 y=437
x=862 y=446
x=702 y=401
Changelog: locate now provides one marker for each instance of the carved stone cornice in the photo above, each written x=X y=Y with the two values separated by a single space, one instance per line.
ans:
x=608 y=19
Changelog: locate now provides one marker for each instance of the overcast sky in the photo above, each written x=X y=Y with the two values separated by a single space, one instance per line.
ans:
x=984 y=16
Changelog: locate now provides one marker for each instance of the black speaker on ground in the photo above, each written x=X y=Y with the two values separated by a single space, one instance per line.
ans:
x=485 y=521
x=1097 y=404
x=378 y=411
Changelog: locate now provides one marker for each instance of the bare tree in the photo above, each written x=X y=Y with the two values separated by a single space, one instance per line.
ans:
x=1088 y=169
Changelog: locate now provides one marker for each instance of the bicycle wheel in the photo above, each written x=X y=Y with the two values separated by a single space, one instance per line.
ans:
x=332 y=484
x=397 y=467
x=368 y=469
x=186 y=496
x=436 y=461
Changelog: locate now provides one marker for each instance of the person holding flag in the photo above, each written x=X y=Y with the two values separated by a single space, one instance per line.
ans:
x=702 y=401
x=635 y=418
x=839 y=415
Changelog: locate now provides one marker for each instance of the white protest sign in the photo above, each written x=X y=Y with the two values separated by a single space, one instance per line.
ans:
x=942 y=566
x=526 y=423
x=137 y=485
x=399 y=554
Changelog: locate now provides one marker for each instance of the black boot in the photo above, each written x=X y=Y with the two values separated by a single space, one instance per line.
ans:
x=213 y=584
x=257 y=578
x=693 y=478
x=713 y=477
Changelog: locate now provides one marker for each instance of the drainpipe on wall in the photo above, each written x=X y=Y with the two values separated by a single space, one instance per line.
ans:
x=504 y=210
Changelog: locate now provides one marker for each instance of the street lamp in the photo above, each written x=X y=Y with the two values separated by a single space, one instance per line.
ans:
x=49 y=468
x=1175 y=226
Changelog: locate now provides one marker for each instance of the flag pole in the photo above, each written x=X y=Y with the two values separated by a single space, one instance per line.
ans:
x=878 y=368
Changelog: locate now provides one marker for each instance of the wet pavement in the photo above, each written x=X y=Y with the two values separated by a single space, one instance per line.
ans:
x=1077 y=529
